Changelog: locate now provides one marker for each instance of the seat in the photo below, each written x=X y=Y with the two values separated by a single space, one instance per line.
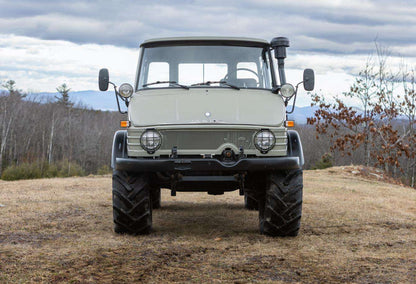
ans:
x=246 y=83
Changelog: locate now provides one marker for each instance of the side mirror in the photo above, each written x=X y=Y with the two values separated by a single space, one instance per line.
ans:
x=308 y=79
x=103 y=79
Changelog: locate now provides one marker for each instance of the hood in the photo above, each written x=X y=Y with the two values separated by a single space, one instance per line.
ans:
x=206 y=105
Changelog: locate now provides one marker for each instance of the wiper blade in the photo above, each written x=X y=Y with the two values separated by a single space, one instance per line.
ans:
x=167 y=82
x=208 y=83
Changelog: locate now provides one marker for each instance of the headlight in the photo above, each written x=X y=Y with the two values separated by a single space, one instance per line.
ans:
x=287 y=90
x=125 y=90
x=264 y=141
x=150 y=141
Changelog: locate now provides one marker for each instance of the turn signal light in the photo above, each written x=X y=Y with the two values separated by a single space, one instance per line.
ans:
x=124 y=123
x=290 y=123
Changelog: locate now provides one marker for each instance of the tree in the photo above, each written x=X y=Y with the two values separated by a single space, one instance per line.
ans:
x=53 y=137
x=377 y=126
x=9 y=109
x=63 y=98
x=364 y=89
x=10 y=86
x=408 y=109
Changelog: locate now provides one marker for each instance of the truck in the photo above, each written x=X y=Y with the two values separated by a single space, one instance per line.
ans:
x=208 y=114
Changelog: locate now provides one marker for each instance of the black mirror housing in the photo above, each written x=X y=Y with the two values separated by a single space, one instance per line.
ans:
x=103 y=79
x=308 y=79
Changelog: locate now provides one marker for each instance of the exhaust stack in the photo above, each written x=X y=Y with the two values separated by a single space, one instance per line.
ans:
x=279 y=45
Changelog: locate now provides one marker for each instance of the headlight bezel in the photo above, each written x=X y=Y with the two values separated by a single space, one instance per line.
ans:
x=125 y=90
x=272 y=139
x=156 y=137
x=287 y=90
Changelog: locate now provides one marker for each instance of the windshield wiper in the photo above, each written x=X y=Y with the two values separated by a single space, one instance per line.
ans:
x=167 y=82
x=208 y=83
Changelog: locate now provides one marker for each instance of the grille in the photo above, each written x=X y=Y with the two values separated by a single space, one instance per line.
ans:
x=206 y=139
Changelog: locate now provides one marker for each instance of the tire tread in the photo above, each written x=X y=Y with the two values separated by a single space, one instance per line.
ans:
x=132 y=212
x=282 y=204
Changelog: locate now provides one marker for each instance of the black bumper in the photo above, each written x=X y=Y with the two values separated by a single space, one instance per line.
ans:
x=206 y=165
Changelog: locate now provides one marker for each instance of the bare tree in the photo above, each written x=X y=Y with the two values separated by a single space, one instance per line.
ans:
x=9 y=108
x=408 y=109
x=364 y=90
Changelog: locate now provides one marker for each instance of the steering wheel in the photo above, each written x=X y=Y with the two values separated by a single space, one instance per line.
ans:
x=242 y=69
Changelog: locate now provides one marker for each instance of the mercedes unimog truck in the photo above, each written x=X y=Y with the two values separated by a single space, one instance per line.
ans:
x=209 y=114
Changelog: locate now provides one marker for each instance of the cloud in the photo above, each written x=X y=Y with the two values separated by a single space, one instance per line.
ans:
x=46 y=43
x=327 y=26
x=42 y=65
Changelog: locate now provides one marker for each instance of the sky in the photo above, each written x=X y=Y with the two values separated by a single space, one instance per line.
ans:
x=46 y=43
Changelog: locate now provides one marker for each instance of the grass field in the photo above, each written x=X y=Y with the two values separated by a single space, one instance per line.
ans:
x=353 y=230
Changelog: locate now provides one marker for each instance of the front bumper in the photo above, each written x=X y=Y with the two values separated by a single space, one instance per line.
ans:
x=206 y=165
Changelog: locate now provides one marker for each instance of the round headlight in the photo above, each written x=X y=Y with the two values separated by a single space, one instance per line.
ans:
x=264 y=140
x=150 y=141
x=125 y=90
x=287 y=90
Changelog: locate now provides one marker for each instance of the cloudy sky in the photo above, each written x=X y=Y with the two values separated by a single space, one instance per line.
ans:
x=46 y=43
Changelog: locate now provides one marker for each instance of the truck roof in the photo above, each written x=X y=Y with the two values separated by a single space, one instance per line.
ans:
x=240 y=41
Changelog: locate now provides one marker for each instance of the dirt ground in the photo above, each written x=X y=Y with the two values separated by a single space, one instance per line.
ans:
x=353 y=230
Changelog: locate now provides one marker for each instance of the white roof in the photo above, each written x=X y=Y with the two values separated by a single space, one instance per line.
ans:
x=206 y=38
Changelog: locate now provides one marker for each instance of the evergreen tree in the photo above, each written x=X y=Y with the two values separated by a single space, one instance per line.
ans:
x=63 y=98
x=10 y=86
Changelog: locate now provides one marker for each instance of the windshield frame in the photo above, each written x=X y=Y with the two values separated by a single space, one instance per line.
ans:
x=267 y=47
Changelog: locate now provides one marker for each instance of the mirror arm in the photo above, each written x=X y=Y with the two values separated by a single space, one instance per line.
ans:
x=118 y=95
x=294 y=100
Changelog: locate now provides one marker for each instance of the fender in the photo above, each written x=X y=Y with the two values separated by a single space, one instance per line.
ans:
x=294 y=146
x=119 y=147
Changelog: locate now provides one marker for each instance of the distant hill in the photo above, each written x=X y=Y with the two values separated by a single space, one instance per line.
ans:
x=106 y=101
x=91 y=99
x=300 y=114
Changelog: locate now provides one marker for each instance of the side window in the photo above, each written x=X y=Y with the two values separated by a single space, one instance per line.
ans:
x=247 y=78
x=158 y=71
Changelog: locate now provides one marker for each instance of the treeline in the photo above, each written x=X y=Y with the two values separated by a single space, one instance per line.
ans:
x=59 y=138
x=56 y=138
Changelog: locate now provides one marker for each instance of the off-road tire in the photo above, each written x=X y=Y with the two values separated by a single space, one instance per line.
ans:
x=155 y=196
x=280 y=208
x=251 y=200
x=132 y=209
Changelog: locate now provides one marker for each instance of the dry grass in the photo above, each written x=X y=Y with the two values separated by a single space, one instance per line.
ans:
x=353 y=230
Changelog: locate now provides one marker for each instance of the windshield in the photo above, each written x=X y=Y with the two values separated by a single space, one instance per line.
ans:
x=205 y=66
